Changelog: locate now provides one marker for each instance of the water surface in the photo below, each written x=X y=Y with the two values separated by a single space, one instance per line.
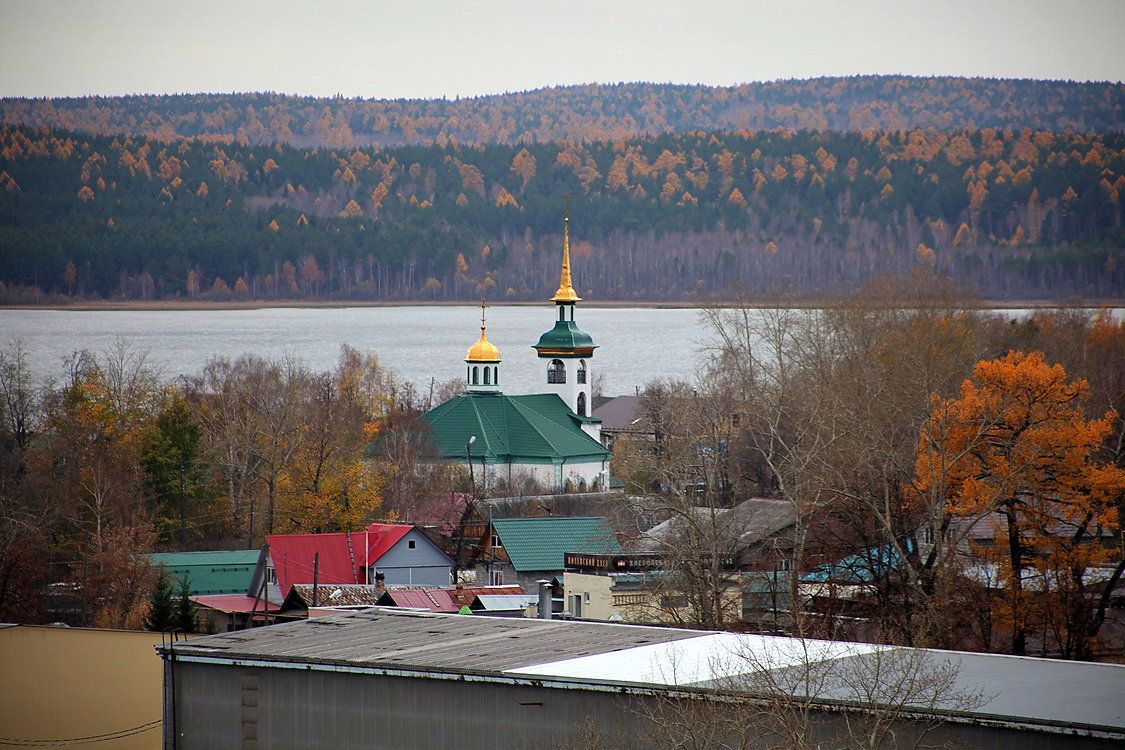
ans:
x=636 y=345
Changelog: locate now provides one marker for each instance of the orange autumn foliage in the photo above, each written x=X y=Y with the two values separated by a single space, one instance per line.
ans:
x=1016 y=451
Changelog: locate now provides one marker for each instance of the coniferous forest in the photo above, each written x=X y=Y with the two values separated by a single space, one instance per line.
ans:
x=1011 y=188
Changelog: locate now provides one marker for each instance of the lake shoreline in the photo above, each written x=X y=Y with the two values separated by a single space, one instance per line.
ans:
x=197 y=305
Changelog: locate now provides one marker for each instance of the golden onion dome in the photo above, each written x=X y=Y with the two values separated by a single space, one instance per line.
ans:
x=483 y=351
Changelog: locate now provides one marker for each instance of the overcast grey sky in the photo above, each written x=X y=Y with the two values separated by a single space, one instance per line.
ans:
x=422 y=48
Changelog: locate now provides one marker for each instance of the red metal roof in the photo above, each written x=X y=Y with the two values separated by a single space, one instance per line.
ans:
x=293 y=554
x=432 y=599
x=380 y=538
x=233 y=603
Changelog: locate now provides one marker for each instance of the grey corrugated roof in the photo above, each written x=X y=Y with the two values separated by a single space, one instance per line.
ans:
x=416 y=640
x=751 y=521
x=1058 y=695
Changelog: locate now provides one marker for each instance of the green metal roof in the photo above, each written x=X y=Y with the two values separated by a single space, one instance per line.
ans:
x=219 y=572
x=565 y=335
x=539 y=543
x=538 y=428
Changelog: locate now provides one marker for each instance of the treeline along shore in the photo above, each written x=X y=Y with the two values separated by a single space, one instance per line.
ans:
x=1014 y=193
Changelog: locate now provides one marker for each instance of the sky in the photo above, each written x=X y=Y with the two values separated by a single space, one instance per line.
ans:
x=432 y=48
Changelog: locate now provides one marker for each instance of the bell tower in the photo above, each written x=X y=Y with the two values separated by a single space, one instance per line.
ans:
x=482 y=361
x=566 y=351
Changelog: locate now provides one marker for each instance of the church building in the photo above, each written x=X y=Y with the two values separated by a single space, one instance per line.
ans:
x=548 y=435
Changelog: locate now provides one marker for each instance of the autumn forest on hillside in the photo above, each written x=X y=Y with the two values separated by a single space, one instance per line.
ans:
x=685 y=193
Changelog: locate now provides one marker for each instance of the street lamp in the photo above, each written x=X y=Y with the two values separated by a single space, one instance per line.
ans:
x=469 y=459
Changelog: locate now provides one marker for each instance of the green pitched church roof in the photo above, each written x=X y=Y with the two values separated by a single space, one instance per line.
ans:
x=539 y=428
x=539 y=543
x=219 y=572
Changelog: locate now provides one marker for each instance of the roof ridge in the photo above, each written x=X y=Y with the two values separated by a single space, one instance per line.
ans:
x=549 y=518
x=481 y=419
x=574 y=418
x=522 y=409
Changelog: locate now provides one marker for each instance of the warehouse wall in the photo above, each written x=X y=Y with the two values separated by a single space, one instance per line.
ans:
x=243 y=708
x=62 y=684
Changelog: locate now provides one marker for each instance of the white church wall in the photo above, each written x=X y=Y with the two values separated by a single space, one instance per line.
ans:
x=547 y=476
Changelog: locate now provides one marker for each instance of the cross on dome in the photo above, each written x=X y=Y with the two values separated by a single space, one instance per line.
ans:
x=484 y=350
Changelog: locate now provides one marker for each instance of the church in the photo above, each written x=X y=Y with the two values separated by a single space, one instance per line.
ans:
x=549 y=435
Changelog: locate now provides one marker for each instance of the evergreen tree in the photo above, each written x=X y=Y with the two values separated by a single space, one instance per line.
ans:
x=162 y=607
x=175 y=476
x=186 y=618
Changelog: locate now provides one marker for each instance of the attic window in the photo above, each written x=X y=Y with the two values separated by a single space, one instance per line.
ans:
x=411 y=544
x=496 y=541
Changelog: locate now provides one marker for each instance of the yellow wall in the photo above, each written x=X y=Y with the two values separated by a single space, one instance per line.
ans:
x=66 y=683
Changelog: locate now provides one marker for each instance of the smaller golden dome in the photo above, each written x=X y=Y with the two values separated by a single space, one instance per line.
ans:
x=483 y=351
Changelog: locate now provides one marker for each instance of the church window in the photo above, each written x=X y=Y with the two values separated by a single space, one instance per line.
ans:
x=582 y=404
x=496 y=376
x=582 y=371
x=556 y=371
x=488 y=376
x=475 y=375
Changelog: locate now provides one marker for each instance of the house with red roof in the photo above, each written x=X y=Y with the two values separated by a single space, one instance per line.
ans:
x=388 y=553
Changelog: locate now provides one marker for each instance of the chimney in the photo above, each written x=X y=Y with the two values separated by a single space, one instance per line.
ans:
x=544 y=600
x=380 y=583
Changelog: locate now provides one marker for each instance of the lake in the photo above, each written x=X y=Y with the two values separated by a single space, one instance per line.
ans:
x=636 y=345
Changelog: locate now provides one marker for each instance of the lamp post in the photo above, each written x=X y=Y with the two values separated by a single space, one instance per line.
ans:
x=469 y=459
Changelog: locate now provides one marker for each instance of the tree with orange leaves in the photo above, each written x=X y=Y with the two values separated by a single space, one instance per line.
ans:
x=1016 y=451
x=523 y=164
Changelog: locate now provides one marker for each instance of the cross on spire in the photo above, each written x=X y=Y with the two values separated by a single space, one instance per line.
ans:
x=483 y=306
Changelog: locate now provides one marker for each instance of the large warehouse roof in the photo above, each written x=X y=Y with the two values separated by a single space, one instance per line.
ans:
x=1055 y=695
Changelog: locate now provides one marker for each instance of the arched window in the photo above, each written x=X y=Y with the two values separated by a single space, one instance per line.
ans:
x=475 y=375
x=556 y=371
x=582 y=371
x=496 y=376
x=582 y=404
x=488 y=376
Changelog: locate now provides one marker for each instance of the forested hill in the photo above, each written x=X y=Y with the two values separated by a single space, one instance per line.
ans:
x=590 y=112
x=1027 y=214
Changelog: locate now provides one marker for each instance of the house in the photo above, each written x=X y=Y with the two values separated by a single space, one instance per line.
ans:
x=637 y=588
x=526 y=550
x=213 y=572
x=622 y=415
x=219 y=613
x=752 y=540
x=393 y=553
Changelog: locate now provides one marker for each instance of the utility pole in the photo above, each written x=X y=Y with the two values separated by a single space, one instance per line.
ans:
x=316 y=575
x=183 y=502
x=469 y=459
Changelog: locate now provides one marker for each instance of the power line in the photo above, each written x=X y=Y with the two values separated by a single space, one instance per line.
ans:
x=89 y=739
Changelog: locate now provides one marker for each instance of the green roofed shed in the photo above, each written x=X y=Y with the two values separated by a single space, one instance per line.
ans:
x=217 y=572
x=538 y=544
